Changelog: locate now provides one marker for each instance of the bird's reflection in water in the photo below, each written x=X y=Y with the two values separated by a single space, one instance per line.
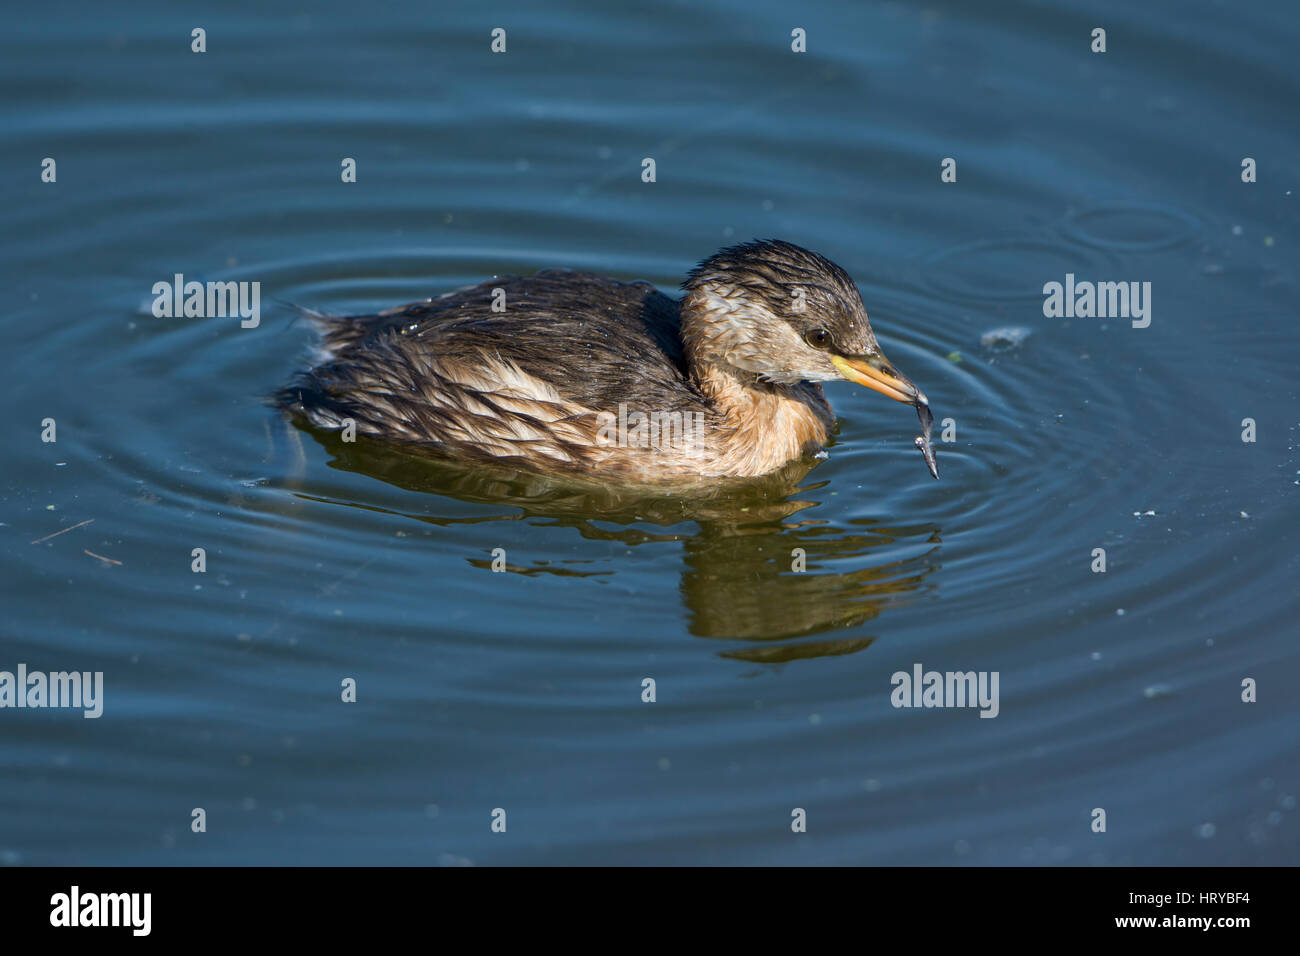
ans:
x=739 y=581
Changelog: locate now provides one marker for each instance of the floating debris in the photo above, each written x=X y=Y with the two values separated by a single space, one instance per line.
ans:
x=64 y=531
x=1006 y=338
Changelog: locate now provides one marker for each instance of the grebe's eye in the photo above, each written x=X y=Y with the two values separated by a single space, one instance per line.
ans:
x=818 y=338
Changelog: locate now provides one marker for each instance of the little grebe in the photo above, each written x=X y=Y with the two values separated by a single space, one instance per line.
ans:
x=574 y=372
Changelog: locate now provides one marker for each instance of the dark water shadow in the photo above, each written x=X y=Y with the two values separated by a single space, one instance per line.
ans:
x=739 y=580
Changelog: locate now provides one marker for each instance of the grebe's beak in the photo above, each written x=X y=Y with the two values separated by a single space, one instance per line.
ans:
x=873 y=371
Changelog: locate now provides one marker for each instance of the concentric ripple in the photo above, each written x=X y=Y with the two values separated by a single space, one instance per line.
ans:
x=1131 y=226
x=771 y=615
x=1004 y=270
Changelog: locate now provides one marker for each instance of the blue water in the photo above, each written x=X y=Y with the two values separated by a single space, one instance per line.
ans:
x=522 y=691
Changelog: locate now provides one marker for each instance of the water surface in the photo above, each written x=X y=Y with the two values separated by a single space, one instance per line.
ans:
x=522 y=690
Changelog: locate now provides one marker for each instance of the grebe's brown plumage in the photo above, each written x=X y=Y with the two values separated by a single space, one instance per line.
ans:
x=552 y=371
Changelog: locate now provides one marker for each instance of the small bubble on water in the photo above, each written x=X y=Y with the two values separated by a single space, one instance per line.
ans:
x=1206 y=830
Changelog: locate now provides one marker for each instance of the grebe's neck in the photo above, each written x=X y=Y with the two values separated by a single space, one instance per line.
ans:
x=761 y=424
x=715 y=330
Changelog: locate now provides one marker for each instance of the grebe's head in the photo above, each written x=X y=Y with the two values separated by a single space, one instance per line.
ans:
x=786 y=315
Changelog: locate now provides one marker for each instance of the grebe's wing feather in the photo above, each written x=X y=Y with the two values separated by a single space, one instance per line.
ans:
x=598 y=342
